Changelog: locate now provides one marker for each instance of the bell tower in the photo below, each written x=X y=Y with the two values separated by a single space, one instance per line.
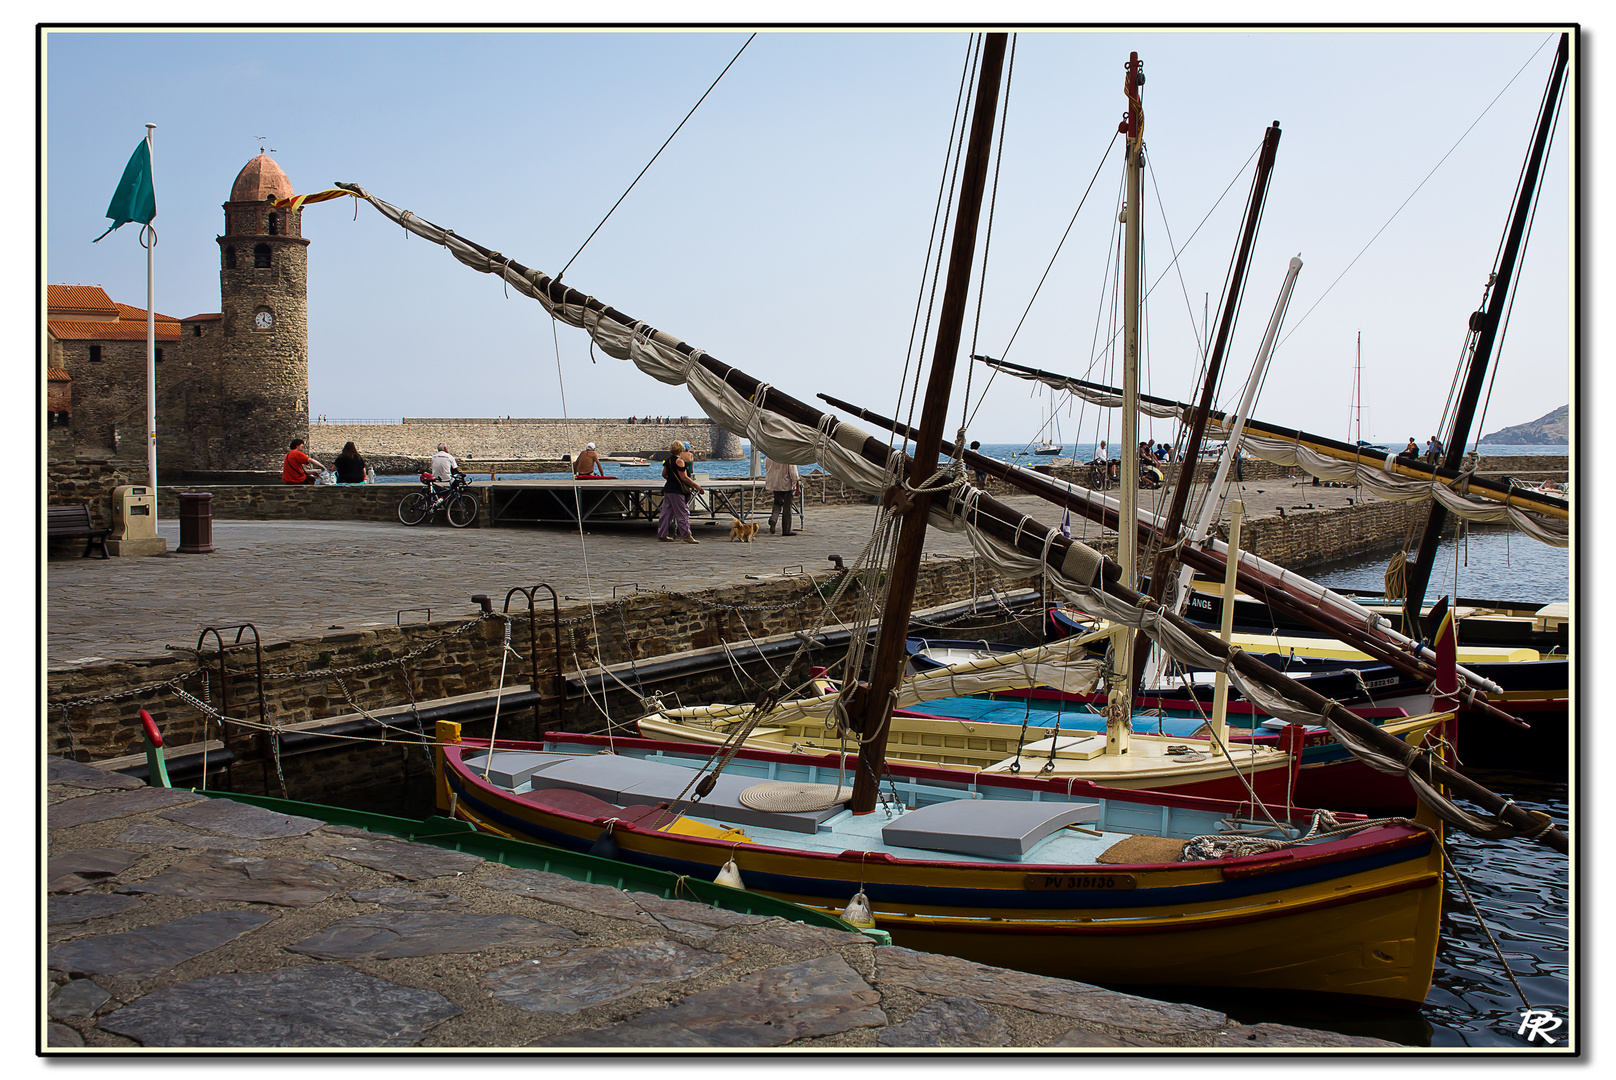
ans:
x=263 y=353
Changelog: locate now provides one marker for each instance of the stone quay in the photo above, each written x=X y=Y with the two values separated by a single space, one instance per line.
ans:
x=179 y=921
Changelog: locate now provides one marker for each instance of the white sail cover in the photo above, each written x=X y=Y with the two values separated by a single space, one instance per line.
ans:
x=1383 y=483
x=1077 y=576
x=1091 y=395
x=1062 y=665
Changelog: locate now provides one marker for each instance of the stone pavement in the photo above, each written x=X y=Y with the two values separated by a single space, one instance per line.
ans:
x=180 y=921
x=301 y=579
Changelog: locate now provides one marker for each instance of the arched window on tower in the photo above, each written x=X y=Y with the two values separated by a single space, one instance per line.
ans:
x=260 y=256
x=230 y=258
x=274 y=224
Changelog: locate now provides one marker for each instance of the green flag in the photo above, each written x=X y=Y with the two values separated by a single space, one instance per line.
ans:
x=135 y=199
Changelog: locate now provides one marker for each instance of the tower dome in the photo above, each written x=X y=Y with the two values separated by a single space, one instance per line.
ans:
x=260 y=178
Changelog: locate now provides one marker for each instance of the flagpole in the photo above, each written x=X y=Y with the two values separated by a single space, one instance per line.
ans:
x=151 y=349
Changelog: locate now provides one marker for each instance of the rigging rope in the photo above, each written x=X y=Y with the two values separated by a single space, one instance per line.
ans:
x=654 y=156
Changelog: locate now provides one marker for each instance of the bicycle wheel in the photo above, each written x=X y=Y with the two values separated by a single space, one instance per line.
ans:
x=462 y=510
x=414 y=507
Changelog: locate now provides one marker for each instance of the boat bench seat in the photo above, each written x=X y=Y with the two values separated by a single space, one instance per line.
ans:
x=512 y=768
x=577 y=802
x=990 y=828
x=623 y=780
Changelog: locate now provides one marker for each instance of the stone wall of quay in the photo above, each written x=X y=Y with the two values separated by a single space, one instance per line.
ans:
x=93 y=710
x=522 y=439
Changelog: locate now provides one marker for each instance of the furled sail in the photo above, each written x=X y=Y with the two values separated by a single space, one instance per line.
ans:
x=1397 y=479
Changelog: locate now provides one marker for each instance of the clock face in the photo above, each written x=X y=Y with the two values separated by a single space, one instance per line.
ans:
x=264 y=320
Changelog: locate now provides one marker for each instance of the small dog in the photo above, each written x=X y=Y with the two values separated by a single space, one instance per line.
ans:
x=741 y=532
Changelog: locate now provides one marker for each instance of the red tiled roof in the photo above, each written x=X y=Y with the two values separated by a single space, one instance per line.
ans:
x=127 y=322
x=128 y=329
x=57 y=374
x=210 y=317
x=84 y=301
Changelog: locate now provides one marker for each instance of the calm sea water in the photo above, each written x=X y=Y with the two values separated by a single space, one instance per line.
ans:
x=1012 y=452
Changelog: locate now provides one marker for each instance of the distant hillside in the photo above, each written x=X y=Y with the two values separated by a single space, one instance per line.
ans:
x=1553 y=428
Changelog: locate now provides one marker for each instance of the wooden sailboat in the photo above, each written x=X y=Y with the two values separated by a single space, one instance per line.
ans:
x=1001 y=868
x=1053 y=876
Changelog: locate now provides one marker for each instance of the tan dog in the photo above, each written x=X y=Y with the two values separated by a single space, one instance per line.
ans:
x=742 y=531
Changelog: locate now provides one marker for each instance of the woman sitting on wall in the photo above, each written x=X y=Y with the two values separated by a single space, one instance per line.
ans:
x=350 y=466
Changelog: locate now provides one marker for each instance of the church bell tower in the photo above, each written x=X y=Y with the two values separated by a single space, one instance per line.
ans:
x=264 y=352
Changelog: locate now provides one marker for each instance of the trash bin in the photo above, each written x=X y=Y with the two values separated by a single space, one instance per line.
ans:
x=196 y=522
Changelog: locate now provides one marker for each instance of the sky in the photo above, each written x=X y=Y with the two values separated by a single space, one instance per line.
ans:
x=785 y=228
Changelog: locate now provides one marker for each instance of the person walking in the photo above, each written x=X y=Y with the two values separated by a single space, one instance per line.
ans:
x=981 y=475
x=781 y=479
x=674 y=522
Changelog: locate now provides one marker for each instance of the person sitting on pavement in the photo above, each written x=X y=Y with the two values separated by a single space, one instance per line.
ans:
x=588 y=463
x=1411 y=450
x=444 y=467
x=298 y=467
x=676 y=488
x=349 y=466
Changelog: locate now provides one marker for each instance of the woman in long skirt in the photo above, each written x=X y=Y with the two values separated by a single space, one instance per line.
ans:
x=677 y=484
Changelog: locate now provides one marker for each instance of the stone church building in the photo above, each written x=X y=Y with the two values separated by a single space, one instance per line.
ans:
x=232 y=385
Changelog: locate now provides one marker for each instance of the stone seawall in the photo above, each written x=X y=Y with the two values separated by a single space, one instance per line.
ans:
x=93 y=710
x=523 y=438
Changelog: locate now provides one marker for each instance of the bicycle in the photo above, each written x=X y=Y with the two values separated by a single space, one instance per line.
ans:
x=456 y=501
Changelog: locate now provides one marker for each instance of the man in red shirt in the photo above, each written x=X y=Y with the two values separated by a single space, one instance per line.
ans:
x=299 y=468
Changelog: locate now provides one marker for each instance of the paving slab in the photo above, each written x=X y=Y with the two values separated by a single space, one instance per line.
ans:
x=77 y=870
x=578 y=978
x=241 y=820
x=162 y=835
x=405 y=899
x=83 y=908
x=216 y=876
x=78 y=997
x=327 y=1005
x=954 y=1022
x=76 y=774
x=391 y=934
x=88 y=808
x=412 y=862
x=817 y=997
x=153 y=949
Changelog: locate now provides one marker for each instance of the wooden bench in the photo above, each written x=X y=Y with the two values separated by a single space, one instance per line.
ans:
x=73 y=521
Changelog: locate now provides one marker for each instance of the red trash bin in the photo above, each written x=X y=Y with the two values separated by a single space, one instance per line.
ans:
x=196 y=522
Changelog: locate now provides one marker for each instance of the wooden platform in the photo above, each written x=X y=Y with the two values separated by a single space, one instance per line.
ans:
x=575 y=502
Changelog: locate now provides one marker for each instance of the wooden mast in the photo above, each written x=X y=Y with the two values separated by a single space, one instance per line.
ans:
x=890 y=651
x=1119 y=707
x=1485 y=325
x=1162 y=565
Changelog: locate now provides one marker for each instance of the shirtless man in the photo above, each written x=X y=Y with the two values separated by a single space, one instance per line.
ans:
x=588 y=463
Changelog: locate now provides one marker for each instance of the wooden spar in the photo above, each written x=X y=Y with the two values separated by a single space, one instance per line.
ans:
x=913 y=505
x=1419 y=575
x=1258 y=585
x=1119 y=706
x=1039 y=541
x=1411 y=468
x=1162 y=566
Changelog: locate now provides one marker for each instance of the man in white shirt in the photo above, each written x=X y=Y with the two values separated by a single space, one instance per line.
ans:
x=780 y=479
x=443 y=465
